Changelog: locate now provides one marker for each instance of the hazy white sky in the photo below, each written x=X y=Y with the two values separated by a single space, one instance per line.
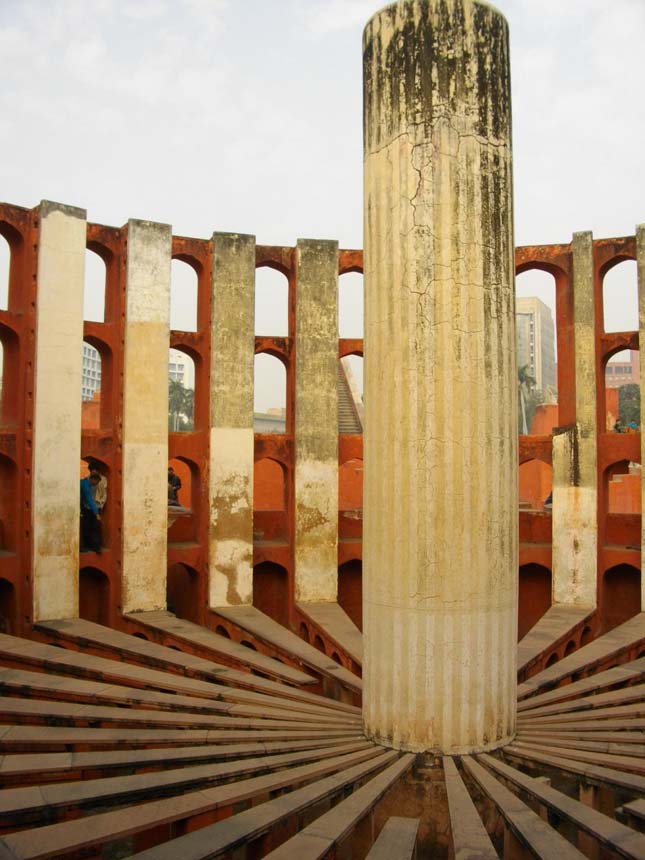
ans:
x=245 y=115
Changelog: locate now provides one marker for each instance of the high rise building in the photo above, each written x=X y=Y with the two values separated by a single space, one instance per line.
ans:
x=91 y=373
x=91 y=379
x=536 y=342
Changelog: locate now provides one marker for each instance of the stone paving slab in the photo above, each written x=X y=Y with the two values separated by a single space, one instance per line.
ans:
x=55 y=798
x=543 y=841
x=326 y=832
x=469 y=837
x=554 y=625
x=50 y=712
x=16 y=682
x=601 y=827
x=605 y=647
x=119 y=645
x=335 y=621
x=225 y=836
x=51 y=840
x=618 y=675
x=594 y=774
x=24 y=738
x=43 y=764
x=80 y=663
x=397 y=839
x=265 y=628
x=195 y=634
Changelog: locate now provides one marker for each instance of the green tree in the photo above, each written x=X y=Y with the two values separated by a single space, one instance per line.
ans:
x=181 y=402
x=629 y=404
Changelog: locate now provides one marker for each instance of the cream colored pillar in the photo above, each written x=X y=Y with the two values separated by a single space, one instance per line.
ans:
x=57 y=410
x=145 y=416
x=230 y=550
x=575 y=494
x=440 y=501
x=316 y=470
x=640 y=263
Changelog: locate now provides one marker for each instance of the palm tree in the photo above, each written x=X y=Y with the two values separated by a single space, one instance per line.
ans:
x=180 y=406
x=525 y=384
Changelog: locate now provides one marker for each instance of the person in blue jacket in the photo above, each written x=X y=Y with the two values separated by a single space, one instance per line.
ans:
x=90 y=516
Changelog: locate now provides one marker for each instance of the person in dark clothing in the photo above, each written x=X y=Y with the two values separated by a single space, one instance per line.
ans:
x=90 y=516
x=174 y=485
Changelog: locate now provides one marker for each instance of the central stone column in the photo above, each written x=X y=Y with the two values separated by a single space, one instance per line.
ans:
x=440 y=500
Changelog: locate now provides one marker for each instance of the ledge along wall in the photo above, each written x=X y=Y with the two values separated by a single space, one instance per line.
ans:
x=440 y=553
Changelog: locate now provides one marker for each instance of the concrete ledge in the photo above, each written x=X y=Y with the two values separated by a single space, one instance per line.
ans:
x=337 y=623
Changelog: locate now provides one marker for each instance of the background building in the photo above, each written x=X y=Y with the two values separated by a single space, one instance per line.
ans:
x=536 y=342
x=619 y=373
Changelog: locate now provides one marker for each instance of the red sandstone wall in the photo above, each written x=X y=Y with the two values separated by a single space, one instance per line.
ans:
x=619 y=530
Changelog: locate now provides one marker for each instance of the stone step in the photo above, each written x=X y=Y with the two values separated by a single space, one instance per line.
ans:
x=22 y=806
x=217 y=646
x=615 y=646
x=104 y=827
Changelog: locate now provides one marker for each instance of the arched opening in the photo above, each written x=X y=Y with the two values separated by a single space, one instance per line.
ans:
x=94 y=596
x=91 y=387
x=9 y=376
x=183 y=296
x=184 y=491
x=8 y=608
x=621 y=595
x=350 y=486
x=222 y=631
x=350 y=305
x=350 y=590
x=319 y=644
x=335 y=656
x=183 y=483
x=182 y=592
x=247 y=644
x=268 y=485
x=100 y=494
x=622 y=392
x=269 y=394
x=586 y=637
x=181 y=392
x=536 y=485
x=303 y=631
x=350 y=394
x=534 y=596
x=270 y=591
x=570 y=647
x=535 y=319
x=8 y=506
x=271 y=302
x=552 y=659
x=623 y=487
x=620 y=297
x=94 y=289
x=140 y=636
x=5 y=270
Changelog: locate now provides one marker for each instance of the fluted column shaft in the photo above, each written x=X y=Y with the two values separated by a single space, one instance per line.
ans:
x=440 y=501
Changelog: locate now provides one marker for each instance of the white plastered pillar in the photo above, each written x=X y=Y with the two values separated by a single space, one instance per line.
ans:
x=145 y=417
x=316 y=424
x=575 y=491
x=57 y=410
x=230 y=545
